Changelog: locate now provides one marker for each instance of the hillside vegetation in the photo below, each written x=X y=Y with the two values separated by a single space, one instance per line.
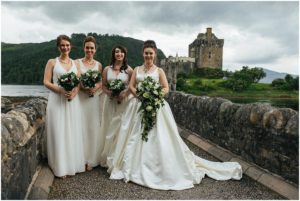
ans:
x=24 y=63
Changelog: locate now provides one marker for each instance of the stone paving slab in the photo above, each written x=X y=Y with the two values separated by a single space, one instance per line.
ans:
x=254 y=173
x=280 y=186
x=271 y=181
x=96 y=185
x=41 y=187
x=218 y=153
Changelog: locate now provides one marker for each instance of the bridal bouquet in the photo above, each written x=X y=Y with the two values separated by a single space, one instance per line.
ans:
x=150 y=94
x=90 y=78
x=68 y=81
x=116 y=86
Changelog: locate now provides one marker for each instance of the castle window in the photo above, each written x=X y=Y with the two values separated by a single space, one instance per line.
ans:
x=209 y=55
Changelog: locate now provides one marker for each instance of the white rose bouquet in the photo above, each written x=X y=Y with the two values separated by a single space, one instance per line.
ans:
x=150 y=94
x=116 y=86
x=90 y=78
x=68 y=81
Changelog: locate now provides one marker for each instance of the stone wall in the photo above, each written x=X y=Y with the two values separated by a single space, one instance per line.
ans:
x=258 y=132
x=22 y=145
x=173 y=68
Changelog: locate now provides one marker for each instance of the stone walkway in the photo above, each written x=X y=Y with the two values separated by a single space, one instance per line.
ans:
x=97 y=185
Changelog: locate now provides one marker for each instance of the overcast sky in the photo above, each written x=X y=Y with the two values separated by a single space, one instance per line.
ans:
x=255 y=33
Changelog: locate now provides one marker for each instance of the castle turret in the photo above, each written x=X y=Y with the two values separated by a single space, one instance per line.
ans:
x=207 y=50
x=208 y=34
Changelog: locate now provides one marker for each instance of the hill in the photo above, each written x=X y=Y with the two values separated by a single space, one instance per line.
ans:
x=24 y=63
x=271 y=75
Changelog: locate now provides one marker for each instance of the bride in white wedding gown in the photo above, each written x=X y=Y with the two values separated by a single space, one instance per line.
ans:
x=163 y=162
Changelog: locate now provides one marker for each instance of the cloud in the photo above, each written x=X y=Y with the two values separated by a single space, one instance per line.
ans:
x=254 y=32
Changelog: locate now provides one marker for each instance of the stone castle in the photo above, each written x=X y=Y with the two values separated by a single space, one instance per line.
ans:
x=206 y=51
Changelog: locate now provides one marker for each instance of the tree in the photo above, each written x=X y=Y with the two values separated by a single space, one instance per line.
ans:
x=240 y=80
x=288 y=83
x=227 y=73
x=296 y=83
x=255 y=73
x=288 y=78
x=16 y=58
x=291 y=83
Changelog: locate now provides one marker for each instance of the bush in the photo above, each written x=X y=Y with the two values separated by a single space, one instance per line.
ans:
x=181 y=84
x=237 y=84
x=278 y=82
x=206 y=88
x=211 y=73
x=182 y=75
x=198 y=82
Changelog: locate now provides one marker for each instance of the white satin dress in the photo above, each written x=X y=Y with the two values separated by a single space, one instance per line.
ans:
x=91 y=119
x=64 y=130
x=164 y=162
x=111 y=119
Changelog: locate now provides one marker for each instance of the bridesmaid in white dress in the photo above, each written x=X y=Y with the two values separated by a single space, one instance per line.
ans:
x=63 y=118
x=112 y=110
x=163 y=162
x=90 y=107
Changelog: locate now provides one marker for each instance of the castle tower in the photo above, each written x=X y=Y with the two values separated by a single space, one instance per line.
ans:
x=207 y=50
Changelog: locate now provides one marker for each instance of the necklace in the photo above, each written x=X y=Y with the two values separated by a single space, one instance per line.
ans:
x=64 y=62
x=146 y=70
x=91 y=62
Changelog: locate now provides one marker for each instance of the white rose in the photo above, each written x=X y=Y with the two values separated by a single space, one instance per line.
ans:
x=149 y=108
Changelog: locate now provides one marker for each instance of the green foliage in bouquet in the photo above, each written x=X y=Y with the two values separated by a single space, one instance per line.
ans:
x=90 y=78
x=116 y=86
x=68 y=81
x=150 y=94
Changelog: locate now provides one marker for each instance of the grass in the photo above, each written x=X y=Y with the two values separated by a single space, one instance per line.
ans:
x=259 y=92
x=212 y=87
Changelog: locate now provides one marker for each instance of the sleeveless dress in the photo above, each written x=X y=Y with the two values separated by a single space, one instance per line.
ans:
x=91 y=118
x=111 y=117
x=164 y=162
x=64 y=130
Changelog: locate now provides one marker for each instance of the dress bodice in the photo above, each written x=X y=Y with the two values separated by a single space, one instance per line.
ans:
x=111 y=76
x=59 y=70
x=83 y=68
x=141 y=76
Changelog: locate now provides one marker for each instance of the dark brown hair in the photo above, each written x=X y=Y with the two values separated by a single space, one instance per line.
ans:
x=150 y=44
x=90 y=39
x=113 y=59
x=62 y=37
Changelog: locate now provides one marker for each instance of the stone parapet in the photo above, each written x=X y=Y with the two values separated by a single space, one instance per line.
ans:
x=23 y=146
x=261 y=134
